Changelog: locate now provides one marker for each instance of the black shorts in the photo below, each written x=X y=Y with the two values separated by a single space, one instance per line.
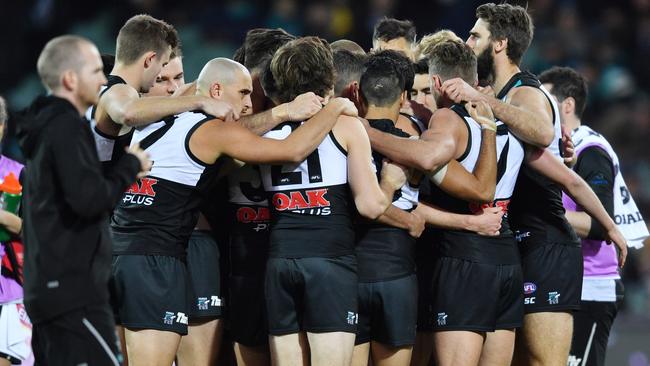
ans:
x=150 y=292
x=85 y=336
x=203 y=270
x=424 y=259
x=476 y=296
x=552 y=277
x=311 y=294
x=247 y=314
x=591 y=326
x=388 y=311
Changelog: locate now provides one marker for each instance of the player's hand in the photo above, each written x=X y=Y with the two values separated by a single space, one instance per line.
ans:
x=614 y=235
x=185 y=90
x=416 y=225
x=488 y=222
x=481 y=112
x=220 y=110
x=393 y=175
x=487 y=90
x=421 y=112
x=459 y=91
x=304 y=106
x=568 y=149
x=348 y=107
x=143 y=157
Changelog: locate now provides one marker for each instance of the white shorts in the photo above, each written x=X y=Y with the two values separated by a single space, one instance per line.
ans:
x=15 y=331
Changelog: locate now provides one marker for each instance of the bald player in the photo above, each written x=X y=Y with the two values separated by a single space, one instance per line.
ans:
x=347 y=45
x=162 y=208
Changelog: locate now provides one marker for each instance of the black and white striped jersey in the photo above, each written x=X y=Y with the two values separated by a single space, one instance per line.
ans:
x=537 y=213
x=310 y=201
x=158 y=213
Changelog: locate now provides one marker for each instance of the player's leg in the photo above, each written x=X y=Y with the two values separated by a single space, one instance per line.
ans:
x=289 y=350
x=458 y=348
x=202 y=343
x=385 y=355
x=544 y=339
x=151 y=347
x=498 y=348
x=283 y=290
x=361 y=354
x=331 y=348
x=330 y=308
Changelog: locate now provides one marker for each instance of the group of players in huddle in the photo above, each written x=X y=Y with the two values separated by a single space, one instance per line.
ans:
x=401 y=206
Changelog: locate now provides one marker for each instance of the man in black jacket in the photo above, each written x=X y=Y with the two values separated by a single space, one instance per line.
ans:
x=67 y=201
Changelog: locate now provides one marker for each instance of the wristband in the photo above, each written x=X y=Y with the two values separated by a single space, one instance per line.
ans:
x=438 y=176
x=486 y=123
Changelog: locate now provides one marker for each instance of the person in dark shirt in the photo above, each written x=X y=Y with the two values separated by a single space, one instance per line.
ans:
x=67 y=199
x=601 y=284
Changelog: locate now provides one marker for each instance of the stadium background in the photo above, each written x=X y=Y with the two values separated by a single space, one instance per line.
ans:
x=608 y=41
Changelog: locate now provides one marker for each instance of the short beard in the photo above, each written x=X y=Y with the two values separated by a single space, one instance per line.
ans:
x=485 y=67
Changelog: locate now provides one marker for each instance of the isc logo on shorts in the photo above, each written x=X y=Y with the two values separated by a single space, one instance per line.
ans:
x=170 y=317
x=353 y=318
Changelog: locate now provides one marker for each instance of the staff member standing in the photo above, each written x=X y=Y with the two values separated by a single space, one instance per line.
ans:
x=67 y=202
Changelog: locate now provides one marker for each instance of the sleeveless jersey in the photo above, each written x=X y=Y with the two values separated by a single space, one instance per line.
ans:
x=468 y=245
x=157 y=214
x=249 y=220
x=537 y=213
x=385 y=252
x=310 y=201
x=109 y=148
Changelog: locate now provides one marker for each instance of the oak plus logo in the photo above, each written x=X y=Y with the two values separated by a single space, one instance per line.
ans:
x=257 y=216
x=312 y=202
x=141 y=192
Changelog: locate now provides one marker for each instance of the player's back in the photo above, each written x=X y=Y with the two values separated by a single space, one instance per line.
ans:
x=310 y=201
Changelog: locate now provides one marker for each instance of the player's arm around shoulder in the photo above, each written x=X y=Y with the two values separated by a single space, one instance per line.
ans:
x=531 y=119
x=371 y=200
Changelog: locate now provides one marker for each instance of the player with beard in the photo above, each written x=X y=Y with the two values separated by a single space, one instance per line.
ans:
x=551 y=255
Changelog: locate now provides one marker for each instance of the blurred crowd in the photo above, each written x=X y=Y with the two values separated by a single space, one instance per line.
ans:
x=607 y=41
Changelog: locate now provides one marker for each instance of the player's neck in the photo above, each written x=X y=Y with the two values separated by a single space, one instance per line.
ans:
x=390 y=113
x=572 y=122
x=503 y=72
x=130 y=74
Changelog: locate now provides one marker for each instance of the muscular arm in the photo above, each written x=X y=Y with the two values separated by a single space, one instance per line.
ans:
x=480 y=185
x=125 y=107
x=304 y=106
x=230 y=138
x=487 y=223
x=371 y=200
x=527 y=115
x=434 y=149
x=545 y=163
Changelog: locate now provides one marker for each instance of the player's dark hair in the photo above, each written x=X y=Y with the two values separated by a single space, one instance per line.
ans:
x=567 y=83
x=421 y=67
x=452 y=59
x=511 y=22
x=404 y=65
x=348 y=67
x=261 y=44
x=382 y=81
x=390 y=28
x=143 y=33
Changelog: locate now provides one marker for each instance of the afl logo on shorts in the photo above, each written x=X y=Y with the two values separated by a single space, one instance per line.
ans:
x=529 y=288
